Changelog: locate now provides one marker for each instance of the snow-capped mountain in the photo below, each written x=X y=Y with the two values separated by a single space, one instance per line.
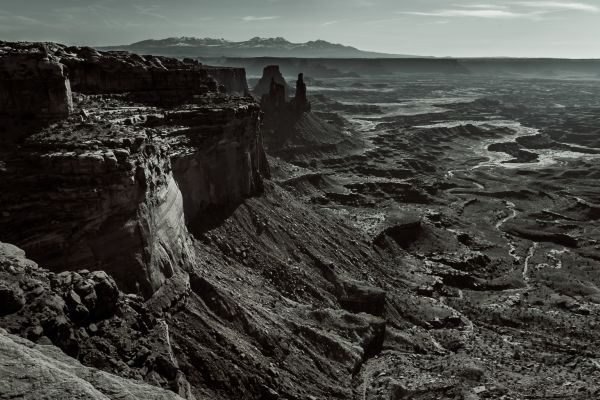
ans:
x=255 y=47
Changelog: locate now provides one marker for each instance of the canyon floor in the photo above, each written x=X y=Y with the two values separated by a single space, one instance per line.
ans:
x=490 y=188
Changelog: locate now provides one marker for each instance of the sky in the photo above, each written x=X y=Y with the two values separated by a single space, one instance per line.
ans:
x=417 y=27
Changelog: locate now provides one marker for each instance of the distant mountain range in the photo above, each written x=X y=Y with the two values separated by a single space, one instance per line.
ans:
x=255 y=47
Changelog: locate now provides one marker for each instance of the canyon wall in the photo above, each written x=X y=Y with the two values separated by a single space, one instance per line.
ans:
x=228 y=161
x=34 y=89
x=112 y=186
x=232 y=78
x=34 y=84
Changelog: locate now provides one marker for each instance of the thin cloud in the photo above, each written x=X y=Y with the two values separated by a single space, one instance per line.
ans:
x=558 y=5
x=20 y=19
x=523 y=9
x=151 y=11
x=482 y=6
x=480 y=13
x=250 y=18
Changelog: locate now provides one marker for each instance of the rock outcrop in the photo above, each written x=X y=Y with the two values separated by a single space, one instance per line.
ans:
x=233 y=79
x=300 y=101
x=34 y=89
x=291 y=130
x=36 y=372
x=275 y=100
x=85 y=316
x=150 y=79
x=103 y=188
x=114 y=195
x=271 y=74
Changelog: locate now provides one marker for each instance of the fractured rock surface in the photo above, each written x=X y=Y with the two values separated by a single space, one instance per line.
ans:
x=110 y=178
x=50 y=374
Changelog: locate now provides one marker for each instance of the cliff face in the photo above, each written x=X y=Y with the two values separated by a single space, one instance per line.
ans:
x=103 y=188
x=227 y=161
x=34 y=89
x=113 y=198
x=233 y=79
x=271 y=74
x=34 y=84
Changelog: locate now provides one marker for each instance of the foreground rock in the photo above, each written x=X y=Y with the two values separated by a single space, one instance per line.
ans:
x=85 y=316
x=31 y=371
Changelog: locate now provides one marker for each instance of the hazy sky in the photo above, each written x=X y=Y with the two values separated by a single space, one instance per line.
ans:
x=425 y=27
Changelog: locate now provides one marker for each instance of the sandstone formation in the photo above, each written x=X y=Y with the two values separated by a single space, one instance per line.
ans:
x=300 y=101
x=271 y=74
x=291 y=130
x=34 y=88
x=113 y=189
x=115 y=196
x=232 y=78
x=84 y=315
x=53 y=375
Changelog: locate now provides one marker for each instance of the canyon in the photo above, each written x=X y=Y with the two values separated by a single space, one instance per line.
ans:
x=168 y=231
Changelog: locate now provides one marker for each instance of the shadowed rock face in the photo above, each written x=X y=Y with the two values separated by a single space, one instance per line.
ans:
x=291 y=130
x=34 y=84
x=300 y=101
x=34 y=89
x=103 y=188
x=271 y=73
x=233 y=79
x=116 y=202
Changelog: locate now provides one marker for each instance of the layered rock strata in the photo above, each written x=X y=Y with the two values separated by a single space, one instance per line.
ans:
x=34 y=89
x=110 y=195
x=103 y=188
x=233 y=79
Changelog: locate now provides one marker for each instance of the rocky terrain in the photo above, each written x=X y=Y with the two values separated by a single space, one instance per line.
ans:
x=169 y=239
x=489 y=185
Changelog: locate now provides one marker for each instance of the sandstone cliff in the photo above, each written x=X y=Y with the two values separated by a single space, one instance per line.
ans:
x=233 y=79
x=270 y=74
x=103 y=188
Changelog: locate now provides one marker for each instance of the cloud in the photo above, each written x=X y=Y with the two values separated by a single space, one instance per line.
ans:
x=19 y=21
x=558 y=5
x=250 y=18
x=519 y=9
x=483 y=6
x=479 y=13
x=151 y=11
